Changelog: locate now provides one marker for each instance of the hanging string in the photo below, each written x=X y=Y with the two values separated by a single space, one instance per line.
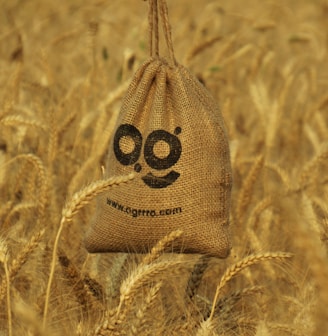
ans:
x=167 y=29
x=153 y=19
x=153 y=28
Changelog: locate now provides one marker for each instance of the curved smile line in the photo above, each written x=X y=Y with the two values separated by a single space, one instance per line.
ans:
x=160 y=181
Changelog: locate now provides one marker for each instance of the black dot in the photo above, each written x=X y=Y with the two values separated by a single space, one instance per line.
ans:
x=177 y=131
x=137 y=167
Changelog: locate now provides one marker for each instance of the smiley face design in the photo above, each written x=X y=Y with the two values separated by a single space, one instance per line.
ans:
x=161 y=151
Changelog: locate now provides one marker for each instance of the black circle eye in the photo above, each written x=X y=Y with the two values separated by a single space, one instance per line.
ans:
x=156 y=161
x=130 y=133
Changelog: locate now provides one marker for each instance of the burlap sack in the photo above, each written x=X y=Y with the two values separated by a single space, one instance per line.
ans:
x=171 y=134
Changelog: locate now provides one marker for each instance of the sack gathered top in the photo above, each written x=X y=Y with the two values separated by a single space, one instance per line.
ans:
x=171 y=134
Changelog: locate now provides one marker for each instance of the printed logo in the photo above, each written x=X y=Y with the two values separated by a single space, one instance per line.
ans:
x=161 y=151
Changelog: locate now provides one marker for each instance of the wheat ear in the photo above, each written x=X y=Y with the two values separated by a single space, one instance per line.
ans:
x=11 y=92
x=80 y=285
x=200 y=47
x=87 y=194
x=78 y=201
x=245 y=193
x=17 y=263
x=43 y=183
x=13 y=120
x=114 y=276
x=5 y=210
x=257 y=210
x=315 y=258
x=64 y=36
x=18 y=208
x=280 y=172
x=159 y=248
x=29 y=317
x=285 y=329
x=196 y=276
x=225 y=304
x=136 y=327
x=206 y=328
x=137 y=279
x=238 y=54
x=242 y=264
x=307 y=172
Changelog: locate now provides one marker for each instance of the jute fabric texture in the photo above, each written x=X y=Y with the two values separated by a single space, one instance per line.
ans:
x=171 y=134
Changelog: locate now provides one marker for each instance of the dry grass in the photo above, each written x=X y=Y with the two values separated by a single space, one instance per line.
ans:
x=63 y=72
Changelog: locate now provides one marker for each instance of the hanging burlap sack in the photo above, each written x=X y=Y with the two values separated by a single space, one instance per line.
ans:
x=171 y=134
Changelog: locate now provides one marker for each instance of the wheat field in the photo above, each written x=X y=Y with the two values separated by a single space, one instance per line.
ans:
x=64 y=69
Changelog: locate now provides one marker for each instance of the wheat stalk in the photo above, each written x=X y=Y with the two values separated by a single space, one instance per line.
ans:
x=10 y=327
x=321 y=124
x=78 y=201
x=313 y=137
x=128 y=63
x=242 y=264
x=93 y=30
x=4 y=261
x=52 y=137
